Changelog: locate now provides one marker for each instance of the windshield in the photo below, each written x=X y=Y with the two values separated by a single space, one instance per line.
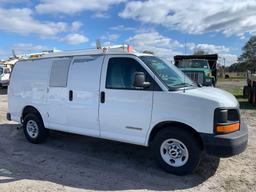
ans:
x=1 y=70
x=169 y=74
x=193 y=64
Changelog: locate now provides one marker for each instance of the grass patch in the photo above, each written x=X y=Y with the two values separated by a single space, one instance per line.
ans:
x=231 y=79
x=236 y=91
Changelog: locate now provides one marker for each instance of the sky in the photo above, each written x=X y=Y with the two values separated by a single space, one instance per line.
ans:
x=166 y=27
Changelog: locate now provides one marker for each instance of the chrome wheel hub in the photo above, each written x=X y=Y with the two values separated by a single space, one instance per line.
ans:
x=32 y=129
x=174 y=152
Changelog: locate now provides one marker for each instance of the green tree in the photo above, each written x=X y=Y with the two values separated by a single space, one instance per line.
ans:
x=247 y=61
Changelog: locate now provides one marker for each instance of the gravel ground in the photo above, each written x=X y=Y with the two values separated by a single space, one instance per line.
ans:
x=68 y=162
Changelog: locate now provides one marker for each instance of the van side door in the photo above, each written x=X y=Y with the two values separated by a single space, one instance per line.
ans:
x=125 y=111
x=83 y=95
x=57 y=93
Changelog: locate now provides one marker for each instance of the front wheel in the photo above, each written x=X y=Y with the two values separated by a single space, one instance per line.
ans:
x=176 y=151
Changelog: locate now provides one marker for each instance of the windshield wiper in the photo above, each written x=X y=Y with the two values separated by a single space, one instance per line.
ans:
x=185 y=84
x=180 y=85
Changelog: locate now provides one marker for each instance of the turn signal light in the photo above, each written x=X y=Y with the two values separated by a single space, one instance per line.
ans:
x=228 y=128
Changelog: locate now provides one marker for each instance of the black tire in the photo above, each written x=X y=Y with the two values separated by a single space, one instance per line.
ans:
x=42 y=131
x=213 y=83
x=245 y=91
x=254 y=95
x=250 y=96
x=191 y=143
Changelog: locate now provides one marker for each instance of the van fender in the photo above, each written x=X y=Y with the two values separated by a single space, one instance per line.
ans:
x=165 y=122
x=31 y=109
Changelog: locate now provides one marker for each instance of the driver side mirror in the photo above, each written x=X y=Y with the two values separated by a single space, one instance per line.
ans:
x=139 y=80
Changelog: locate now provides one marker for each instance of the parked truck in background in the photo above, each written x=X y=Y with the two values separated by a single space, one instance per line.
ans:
x=250 y=88
x=4 y=76
x=199 y=68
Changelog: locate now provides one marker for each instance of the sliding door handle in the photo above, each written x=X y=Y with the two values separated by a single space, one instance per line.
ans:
x=102 y=97
x=70 y=95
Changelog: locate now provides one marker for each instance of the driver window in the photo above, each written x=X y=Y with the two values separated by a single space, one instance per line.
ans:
x=120 y=73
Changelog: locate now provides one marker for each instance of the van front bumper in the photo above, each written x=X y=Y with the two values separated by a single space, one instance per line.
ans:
x=226 y=145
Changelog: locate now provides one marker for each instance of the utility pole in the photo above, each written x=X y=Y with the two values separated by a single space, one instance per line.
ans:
x=224 y=60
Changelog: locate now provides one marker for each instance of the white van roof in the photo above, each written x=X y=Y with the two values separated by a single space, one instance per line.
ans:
x=116 y=49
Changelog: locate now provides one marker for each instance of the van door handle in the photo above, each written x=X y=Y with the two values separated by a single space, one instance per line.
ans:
x=70 y=95
x=102 y=97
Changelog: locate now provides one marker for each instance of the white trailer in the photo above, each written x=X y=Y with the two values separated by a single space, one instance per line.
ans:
x=122 y=95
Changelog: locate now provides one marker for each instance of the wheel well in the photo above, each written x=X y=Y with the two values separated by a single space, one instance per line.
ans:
x=170 y=124
x=29 y=109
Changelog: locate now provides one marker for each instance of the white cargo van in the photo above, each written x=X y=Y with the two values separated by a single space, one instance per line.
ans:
x=4 y=76
x=122 y=95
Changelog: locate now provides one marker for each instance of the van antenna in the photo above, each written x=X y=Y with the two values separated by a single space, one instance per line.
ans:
x=98 y=44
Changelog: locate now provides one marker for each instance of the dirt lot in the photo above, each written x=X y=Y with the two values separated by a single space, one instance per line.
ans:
x=69 y=162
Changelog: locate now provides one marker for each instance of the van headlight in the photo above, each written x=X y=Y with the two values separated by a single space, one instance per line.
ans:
x=226 y=120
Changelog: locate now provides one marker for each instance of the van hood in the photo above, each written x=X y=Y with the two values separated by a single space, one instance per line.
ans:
x=219 y=96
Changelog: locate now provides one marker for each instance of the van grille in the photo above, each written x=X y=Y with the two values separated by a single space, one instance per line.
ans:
x=197 y=77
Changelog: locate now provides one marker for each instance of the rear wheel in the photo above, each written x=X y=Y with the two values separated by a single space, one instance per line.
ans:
x=213 y=82
x=34 y=129
x=254 y=95
x=176 y=151
x=250 y=96
x=245 y=91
